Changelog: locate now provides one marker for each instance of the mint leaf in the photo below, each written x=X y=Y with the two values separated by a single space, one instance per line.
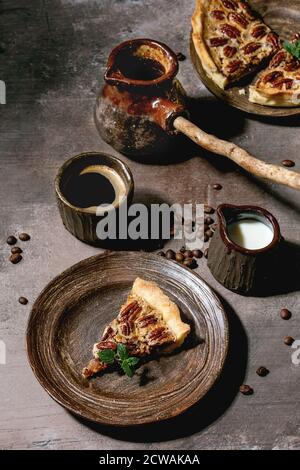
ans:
x=133 y=361
x=122 y=351
x=293 y=48
x=127 y=369
x=107 y=356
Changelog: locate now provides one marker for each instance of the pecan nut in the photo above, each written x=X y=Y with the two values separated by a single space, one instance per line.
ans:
x=229 y=4
x=229 y=51
x=218 y=42
x=277 y=59
x=239 y=18
x=280 y=82
x=251 y=47
x=126 y=328
x=292 y=66
x=234 y=66
x=272 y=76
x=247 y=10
x=147 y=320
x=258 y=32
x=108 y=333
x=273 y=39
x=106 y=345
x=218 y=15
x=230 y=31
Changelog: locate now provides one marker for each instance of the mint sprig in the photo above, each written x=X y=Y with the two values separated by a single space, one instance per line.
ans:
x=293 y=48
x=121 y=356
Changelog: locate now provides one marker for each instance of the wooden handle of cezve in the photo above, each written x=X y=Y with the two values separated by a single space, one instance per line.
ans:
x=238 y=155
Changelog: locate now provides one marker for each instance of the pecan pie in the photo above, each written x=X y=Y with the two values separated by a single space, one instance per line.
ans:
x=230 y=39
x=148 y=322
x=279 y=84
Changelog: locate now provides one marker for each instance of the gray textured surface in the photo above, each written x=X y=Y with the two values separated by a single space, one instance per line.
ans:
x=52 y=58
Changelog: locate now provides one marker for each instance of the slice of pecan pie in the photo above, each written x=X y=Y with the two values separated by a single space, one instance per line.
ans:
x=148 y=322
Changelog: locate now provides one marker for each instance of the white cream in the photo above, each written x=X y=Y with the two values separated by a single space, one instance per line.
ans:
x=250 y=234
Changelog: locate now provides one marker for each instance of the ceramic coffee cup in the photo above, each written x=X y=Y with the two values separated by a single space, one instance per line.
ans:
x=87 y=187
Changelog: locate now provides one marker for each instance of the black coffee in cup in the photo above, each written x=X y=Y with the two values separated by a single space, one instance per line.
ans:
x=93 y=186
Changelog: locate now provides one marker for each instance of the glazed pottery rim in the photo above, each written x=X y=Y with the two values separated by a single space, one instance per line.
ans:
x=125 y=81
x=123 y=170
x=52 y=392
x=250 y=209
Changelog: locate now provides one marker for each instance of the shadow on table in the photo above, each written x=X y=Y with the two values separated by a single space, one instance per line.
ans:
x=209 y=409
x=286 y=277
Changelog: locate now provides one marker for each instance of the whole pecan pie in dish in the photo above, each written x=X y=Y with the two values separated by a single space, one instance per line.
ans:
x=279 y=84
x=148 y=322
x=230 y=39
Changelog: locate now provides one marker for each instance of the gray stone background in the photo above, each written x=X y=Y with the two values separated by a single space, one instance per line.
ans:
x=52 y=58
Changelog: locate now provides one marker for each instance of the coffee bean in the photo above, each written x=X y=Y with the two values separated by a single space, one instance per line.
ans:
x=209 y=233
x=16 y=249
x=11 y=240
x=161 y=253
x=246 y=389
x=24 y=237
x=188 y=254
x=288 y=163
x=170 y=254
x=23 y=300
x=217 y=186
x=208 y=220
x=205 y=253
x=262 y=371
x=16 y=258
x=190 y=263
x=285 y=314
x=179 y=257
x=288 y=340
x=180 y=56
x=197 y=254
x=209 y=209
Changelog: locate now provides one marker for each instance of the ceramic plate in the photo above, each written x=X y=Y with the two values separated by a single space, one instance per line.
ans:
x=71 y=313
x=284 y=18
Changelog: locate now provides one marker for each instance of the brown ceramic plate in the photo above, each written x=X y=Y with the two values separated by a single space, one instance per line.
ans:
x=73 y=309
x=284 y=18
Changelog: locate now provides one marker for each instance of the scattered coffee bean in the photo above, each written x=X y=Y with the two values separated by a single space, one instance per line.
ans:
x=180 y=56
x=197 y=254
x=288 y=163
x=246 y=389
x=209 y=233
x=205 y=253
x=161 y=253
x=285 y=314
x=208 y=220
x=262 y=371
x=179 y=257
x=217 y=186
x=170 y=254
x=188 y=254
x=11 y=240
x=288 y=340
x=190 y=263
x=16 y=249
x=209 y=209
x=23 y=300
x=24 y=237
x=16 y=258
